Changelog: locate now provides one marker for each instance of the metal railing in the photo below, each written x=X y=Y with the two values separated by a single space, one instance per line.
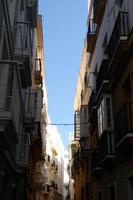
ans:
x=10 y=88
x=31 y=2
x=92 y=101
x=77 y=125
x=22 y=39
x=30 y=104
x=124 y=122
x=95 y=6
x=91 y=28
x=76 y=159
x=38 y=71
x=102 y=75
x=39 y=174
x=119 y=32
x=95 y=158
x=106 y=145
x=22 y=153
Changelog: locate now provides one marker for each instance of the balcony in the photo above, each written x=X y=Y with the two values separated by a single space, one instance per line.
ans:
x=32 y=6
x=53 y=185
x=30 y=3
x=124 y=128
x=102 y=80
x=37 y=72
x=39 y=104
x=91 y=36
x=107 y=156
x=39 y=175
x=76 y=163
x=47 y=159
x=23 y=51
x=54 y=166
x=8 y=28
x=92 y=106
x=22 y=150
x=95 y=162
x=77 y=125
x=68 y=168
x=118 y=44
x=11 y=103
x=84 y=147
x=44 y=189
x=29 y=102
x=36 y=142
x=36 y=134
x=99 y=6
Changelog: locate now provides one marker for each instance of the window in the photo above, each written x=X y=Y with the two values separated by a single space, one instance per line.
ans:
x=99 y=195
x=130 y=188
x=22 y=5
x=105 y=121
x=5 y=55
x=87 y=190
x=84 y=114
x=92 y=80
x=1 y=15
x=23 y=151
x=85 y=79
x=112 y=192
x=105 y=43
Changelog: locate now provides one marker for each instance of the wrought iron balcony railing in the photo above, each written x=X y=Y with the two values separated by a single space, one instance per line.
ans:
x=8 y=28
x=23 y=51
x=107 y=149
x=48 y=158
x=120 y=32
x=9 y=79
x=11 y=101
x=30 y=105
x=95 y=161
x=53 y=185
x=22 y=40
x=84 y=147
x=76 y=159
x=102 y=76
x=45 y=188
x=36 y=134
x=31 y=2
x=38 y=71
x=32 y=11
x=124 y=125
x=92 y=103
x=39 y=174
x=22 y=150
x=99 y=6
x=77 y=125
x=91 y=35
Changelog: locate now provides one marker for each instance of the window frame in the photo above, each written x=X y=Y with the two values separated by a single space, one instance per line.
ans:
x=102 y=115
x=115 y=189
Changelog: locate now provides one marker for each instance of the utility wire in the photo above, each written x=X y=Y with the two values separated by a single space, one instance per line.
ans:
x=72 y=124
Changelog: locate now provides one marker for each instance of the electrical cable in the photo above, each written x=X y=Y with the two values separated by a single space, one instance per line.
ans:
x=71 y=124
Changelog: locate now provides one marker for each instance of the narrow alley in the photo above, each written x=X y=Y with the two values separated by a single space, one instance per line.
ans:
x=97 y=162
